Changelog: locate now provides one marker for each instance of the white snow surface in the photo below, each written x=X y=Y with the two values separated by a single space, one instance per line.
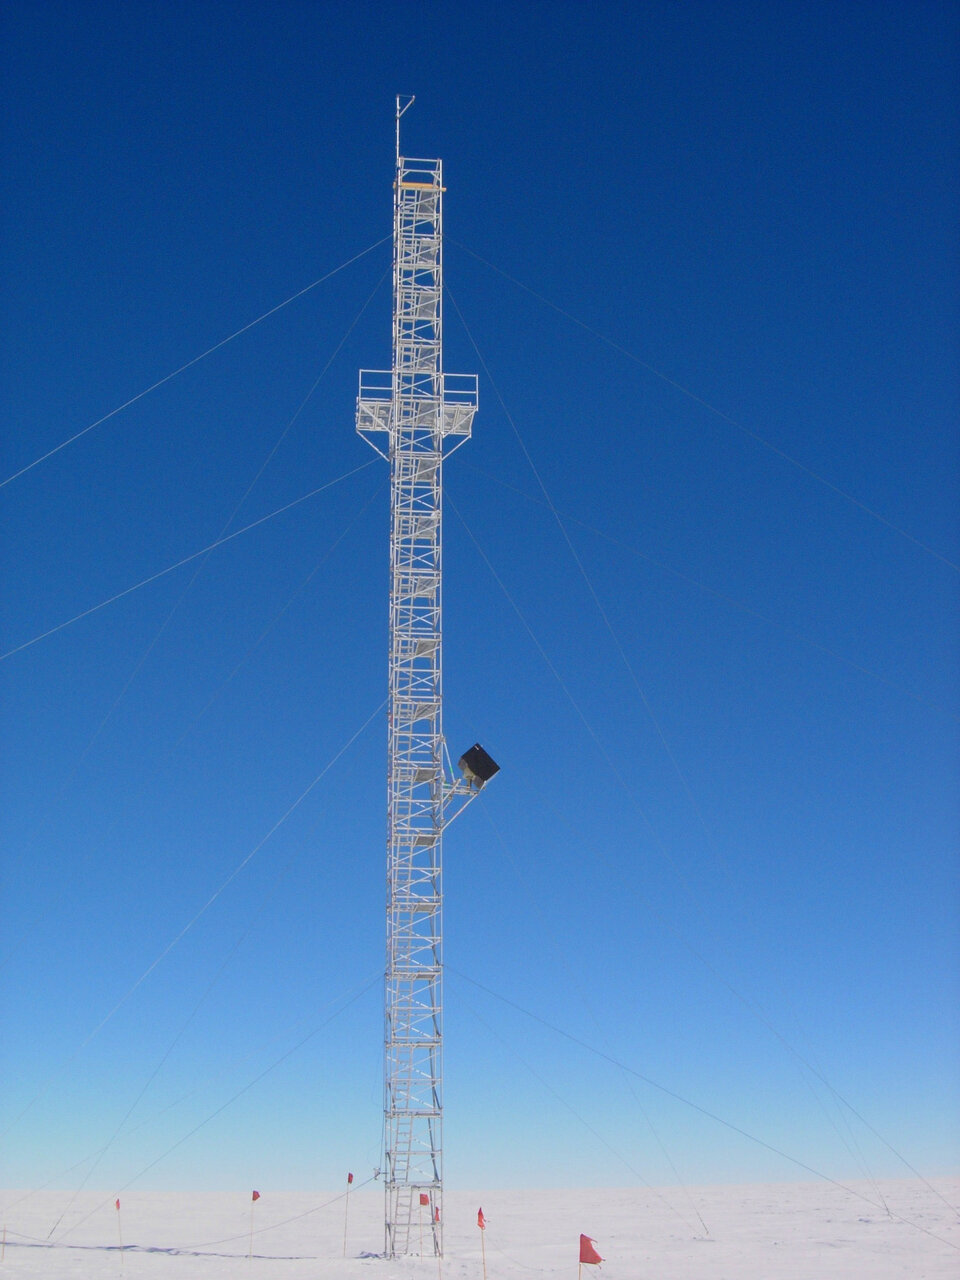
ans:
x=783 y=1231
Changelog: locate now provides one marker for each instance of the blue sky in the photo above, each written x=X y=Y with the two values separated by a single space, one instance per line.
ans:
x=705 y=258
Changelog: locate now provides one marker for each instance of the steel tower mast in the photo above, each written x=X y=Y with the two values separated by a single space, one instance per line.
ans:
x=423 y=413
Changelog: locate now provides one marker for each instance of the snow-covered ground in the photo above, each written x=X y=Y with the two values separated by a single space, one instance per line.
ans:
x=790 y=1231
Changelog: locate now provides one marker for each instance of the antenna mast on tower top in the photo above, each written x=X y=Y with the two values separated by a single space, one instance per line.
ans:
x=412 y=415
x=410 y=100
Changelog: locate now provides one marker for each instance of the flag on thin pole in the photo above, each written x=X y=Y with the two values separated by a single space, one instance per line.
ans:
x=587 y=1252
x=424 y=1200
x=346 y=1208
x=119 y=1231
x=253 y=1200
x=482 y=1224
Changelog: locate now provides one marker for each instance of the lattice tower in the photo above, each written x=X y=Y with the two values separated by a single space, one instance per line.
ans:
x=421 y=413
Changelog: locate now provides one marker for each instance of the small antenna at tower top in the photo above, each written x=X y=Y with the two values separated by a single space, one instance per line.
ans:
x=410 y=100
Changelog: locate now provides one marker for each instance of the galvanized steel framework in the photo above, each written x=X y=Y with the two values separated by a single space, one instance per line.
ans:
x=419 y=411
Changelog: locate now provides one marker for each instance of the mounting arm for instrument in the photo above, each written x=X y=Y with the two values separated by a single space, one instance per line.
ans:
x=476 y=768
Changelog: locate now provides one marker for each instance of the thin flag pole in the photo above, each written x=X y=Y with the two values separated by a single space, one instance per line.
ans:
x=3 y=1247
x=119 y=1232
x=253 y=1200
x=346 y=1210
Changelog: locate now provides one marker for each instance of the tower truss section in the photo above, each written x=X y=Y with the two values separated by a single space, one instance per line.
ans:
x=413 y=414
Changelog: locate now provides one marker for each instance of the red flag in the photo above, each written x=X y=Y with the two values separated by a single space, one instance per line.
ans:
x=118 y=1204
x=424 y=1198
x=349 y=1178
x=587 y=1252
x=481 y=1220
x=255 y=1196
x=436 y=1214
